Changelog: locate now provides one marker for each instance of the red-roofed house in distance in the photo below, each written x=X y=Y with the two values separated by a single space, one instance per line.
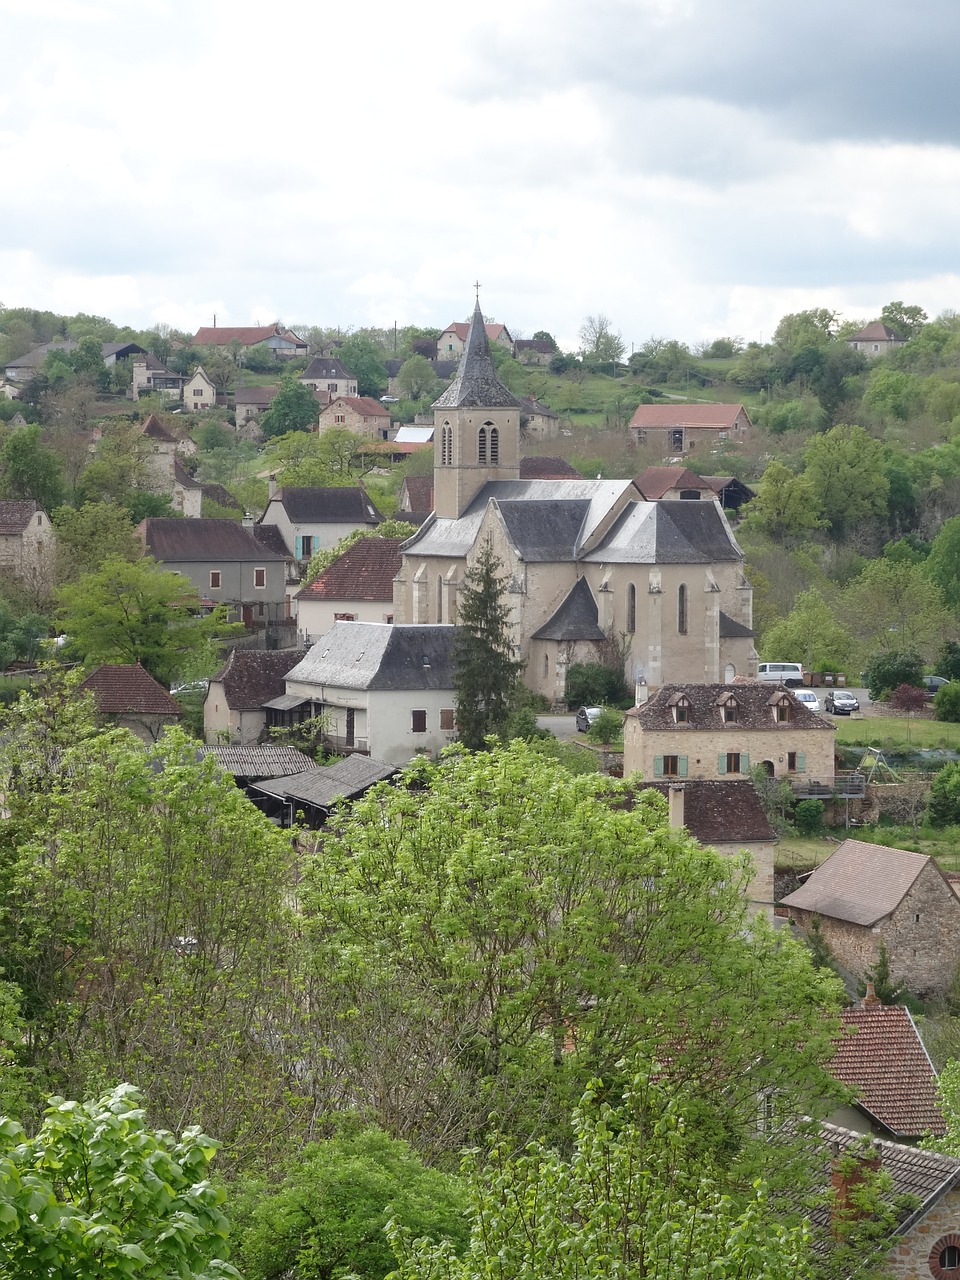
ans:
x=453 y=340
x=679 y=428
x=128 y=696
x=356 y=587
x=360 y=414
x=876 y=339
x=284 y=344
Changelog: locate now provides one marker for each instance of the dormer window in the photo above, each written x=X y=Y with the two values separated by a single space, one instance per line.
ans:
x=682 y=711
x=730 y=712
x=784 y=709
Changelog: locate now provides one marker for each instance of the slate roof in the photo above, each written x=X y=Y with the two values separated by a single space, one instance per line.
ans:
x=257 y=397
x=380 y=656
x=715 y=416
x=476 y=384
x=260 y=762
x=730 y=629
x=668 y=533
x=860 y=882
x=877 y=331
x=881 y=1057
x=756 y=709
x=221 y=496
x=349 y=505
x=34 y=358
x=540 y=345
x=534 y=409
x=342 y=780
x=121 y=689
x=271 y=537
x=251 y=677
x=365 y=571
x=327 y=367
x=720 y=810
x=178 y=541
x=15 y=515
x=654 y=482
x=183 y=477
x=576 y=618
x=545 y=531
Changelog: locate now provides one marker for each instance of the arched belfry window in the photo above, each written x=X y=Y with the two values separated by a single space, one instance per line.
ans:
x=440 y=598
x=494 y=446
x=631 y=608
x=446 y=445
x=682 y=608
x=482 y=444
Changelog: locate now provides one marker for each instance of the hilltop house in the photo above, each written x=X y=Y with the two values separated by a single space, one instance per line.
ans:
x=284 y=344
x=150 y=375
x=678 y=428
x=453 y=341
x=876 y=339
x=25 y=367
x=584 y=561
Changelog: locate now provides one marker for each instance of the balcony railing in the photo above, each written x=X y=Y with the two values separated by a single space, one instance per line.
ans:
x=847 y=784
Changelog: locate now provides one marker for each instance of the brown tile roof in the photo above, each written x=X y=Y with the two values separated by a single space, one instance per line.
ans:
x=881 y=1057
x=247 y=336
x=721 y=416
x=756 y=707
x=876 y=331
x=120 y=689
x=419 y=490
x=365 y=571
x=251 y=677
x=15 y=515
x=258 y=397
x=860 y=883
x=535 y=409
x=547 y=468
x=172 y=540
x=221 y=496
x=721 y=811
x=365 y=405
x=154 y=429
x=183 y=477
x=462 y=327
x=654 y=482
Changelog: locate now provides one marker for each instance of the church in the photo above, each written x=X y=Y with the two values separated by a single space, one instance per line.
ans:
x=592 y=571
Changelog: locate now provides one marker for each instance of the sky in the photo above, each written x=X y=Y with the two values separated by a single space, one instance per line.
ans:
x=688 y=168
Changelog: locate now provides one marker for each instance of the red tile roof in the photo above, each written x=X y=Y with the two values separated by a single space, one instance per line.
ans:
x=547 y=468
x=247 y=336
x=462 y=327
x=154 y=429
x=363 y=404
x=121 y=689
x=365 y=571
x=718 y=416
x=882 y=1059
x=876 y=331
x=656 y=481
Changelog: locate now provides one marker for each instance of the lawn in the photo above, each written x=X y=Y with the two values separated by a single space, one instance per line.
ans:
x=896 y=732
x=805 y=851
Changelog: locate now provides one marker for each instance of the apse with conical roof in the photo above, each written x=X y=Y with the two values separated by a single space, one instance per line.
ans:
x=476 y=428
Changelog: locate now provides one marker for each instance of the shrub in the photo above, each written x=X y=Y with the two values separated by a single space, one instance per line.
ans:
x=907 y=697
x=943 y=808
x=607 y=727
x=808 y=817
x=887 y=671
x=593 y=684
x=948 y=660
x=946 y=702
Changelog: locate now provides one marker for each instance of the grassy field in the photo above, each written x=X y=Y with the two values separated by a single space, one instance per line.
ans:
x=896 y=732
x=805 y=851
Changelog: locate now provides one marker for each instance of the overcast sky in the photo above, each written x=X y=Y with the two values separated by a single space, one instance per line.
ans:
x=690 y=168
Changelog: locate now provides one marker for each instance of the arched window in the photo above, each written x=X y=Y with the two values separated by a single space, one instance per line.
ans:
x=682 y=608
x=482 y=445
x=546 y=664
x=494 y=446
x=446 y=445
x=631 y=608
x=440 y=598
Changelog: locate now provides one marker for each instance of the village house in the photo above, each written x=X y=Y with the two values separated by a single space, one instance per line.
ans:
x=584 y=561
x=453 y=341
x=876 y=339
x=678 y=428
x=538 y=421
x=315 y=519
x=284 y=344
x=27 y=542
x=130 y=698
x=360 y=414
x=329 y=375
x=382 y=690
x=25 y=367
x=251 y=402
x=356 y=587
x=722 y=730
x=865 y=894
x=150 y=376
x=536 y=352
x=658 y=483
x=234 y=709
x=198 y=391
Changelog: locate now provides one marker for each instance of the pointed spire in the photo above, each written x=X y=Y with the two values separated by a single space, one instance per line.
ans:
x=476 y=384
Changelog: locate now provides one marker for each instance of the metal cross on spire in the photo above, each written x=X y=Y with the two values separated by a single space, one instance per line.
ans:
x=477 y=287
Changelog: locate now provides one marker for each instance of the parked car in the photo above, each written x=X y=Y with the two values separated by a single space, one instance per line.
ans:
x=808 y=698
x=840 y=702
x=586 y=717
x=933 y=683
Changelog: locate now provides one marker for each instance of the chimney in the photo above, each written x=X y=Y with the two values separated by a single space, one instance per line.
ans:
x=271 y=487
x=870 y=1000
x=641 y=693
x=848 y=1172
x=675 y=803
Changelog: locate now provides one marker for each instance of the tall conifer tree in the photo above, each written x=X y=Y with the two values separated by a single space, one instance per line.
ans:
x=487 y=673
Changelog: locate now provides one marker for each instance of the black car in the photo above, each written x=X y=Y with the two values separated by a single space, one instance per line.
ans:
x=933 y=683
x=840 y=702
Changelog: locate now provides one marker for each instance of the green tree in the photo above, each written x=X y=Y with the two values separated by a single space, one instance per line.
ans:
x=331 y=459
x=88 y=535
x=907 y=320
x=599 y=341
x=944 y=806
x=943 y=562
x=88 y=363
x=487 y=674
x=594 y=684
x=847 y=469
x=294 y=408
x=879 y=974
x=31 y=470
x=328 y=1217
x=893 y=394
x=809 y=634
x=893 y=607
x=97 y=1192
x=800 y=329
x=364 y=357
x=890 y=669
x=416 y=378
x=641 y=1196
x=137 y=612
x=494 y=910
x=786 y=507
x=946 y=702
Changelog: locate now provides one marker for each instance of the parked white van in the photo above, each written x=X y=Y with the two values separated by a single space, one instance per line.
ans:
x=788 y=673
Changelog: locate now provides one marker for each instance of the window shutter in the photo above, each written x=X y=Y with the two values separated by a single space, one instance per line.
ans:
x=682 y=764
x=298 y=548
x=801 y=762
x=744 y=762
x=722 y=762
x=658 y=766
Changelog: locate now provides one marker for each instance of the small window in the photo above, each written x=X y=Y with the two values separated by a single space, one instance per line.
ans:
x=791 y=761
x=339 y=417
x=259 y=577
x=214 y=579
x=682 y=609
x=344 y=617
x=683 y=711
x=482 y=445
x=671 y=766
x=783 y=712
x=418 y=721
x=631 y=608
x=730 y=713
x=733 y=762
x=494 y=446
x=332 y=386
x=448 y=720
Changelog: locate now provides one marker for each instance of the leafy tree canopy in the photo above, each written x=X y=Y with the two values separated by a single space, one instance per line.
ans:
x=88 y=535
x=364 y=357
x=847 y=469
x=294 y=408
x=906 y=319
x=799 y=329
x=31 y=470
x=809 y=634
x=893 y=607
x=786 y=507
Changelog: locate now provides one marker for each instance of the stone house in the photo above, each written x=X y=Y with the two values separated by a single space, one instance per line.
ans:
x=330 y=375
x=865 y=894
x=726 y=814
x=658 y=483
x=677 y=428
x=150 y=375
x=360 y=414
x=722 y=730
x=876 y=339
x=584 y=561
x=534 y=352
x=199 y=392
x=234 y=709
x=356 y=587
x=453 y=341
x=27 y=542
x=251 y=402
x=128 y=696
x=315 y=519
x=386 y=691
x=881 y=1058
x=284 y=343
x=226 y=564
x=186 y=492
x=538 y=421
